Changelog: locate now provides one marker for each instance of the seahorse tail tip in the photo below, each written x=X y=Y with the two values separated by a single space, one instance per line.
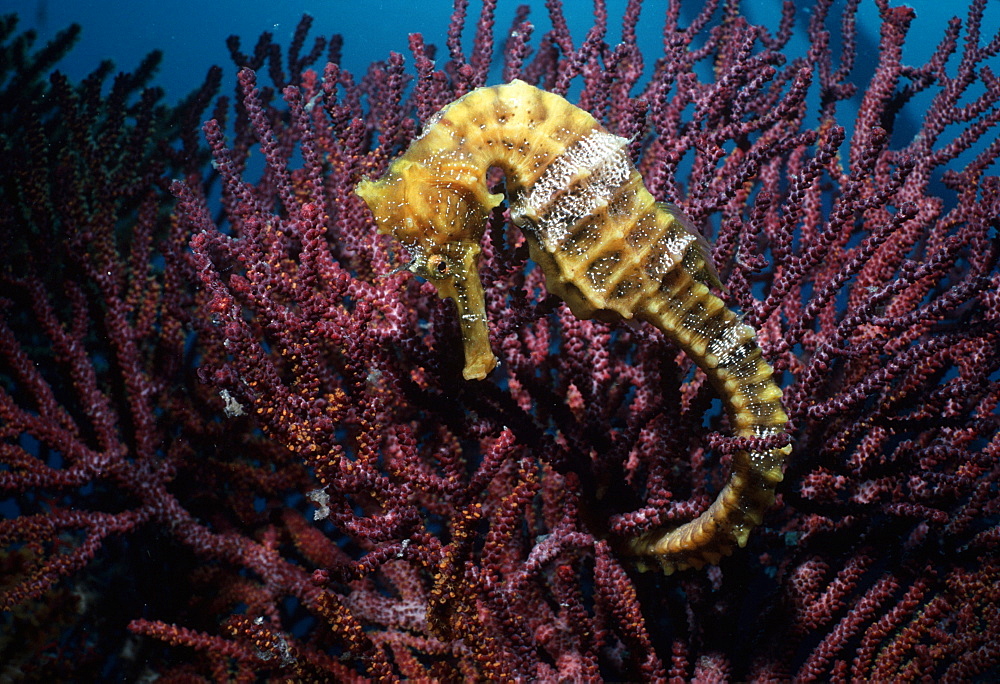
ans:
x=669 y=564
x=716 y=533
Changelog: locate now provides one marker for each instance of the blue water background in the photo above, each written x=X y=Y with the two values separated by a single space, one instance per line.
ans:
x=192 y=33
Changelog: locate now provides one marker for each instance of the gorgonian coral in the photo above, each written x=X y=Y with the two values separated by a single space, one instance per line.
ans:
x=334 y=500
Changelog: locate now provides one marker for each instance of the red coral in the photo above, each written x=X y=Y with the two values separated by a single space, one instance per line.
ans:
x=332 y=500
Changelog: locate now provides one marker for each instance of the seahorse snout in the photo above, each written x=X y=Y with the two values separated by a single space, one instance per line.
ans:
x=456 y=276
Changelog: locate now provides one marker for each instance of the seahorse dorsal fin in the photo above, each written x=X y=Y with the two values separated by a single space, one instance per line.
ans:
x=700 y=244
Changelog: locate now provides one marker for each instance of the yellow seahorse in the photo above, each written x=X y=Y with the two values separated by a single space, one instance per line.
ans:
x=606 y=248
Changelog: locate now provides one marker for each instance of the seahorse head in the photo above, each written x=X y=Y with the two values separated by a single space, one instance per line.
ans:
x=439 y=213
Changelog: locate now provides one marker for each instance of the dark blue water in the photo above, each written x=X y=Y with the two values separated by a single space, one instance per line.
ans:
x=192 y=33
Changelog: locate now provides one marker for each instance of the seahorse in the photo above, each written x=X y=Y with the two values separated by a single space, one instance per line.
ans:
x=606 y=248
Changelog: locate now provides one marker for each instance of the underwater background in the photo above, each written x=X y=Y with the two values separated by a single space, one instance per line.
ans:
x=192 y=34
x=235 y=444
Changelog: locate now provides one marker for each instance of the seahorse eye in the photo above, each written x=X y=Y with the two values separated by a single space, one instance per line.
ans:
x=438 y=266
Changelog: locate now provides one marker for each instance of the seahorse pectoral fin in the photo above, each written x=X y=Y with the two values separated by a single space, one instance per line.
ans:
x=463 y=286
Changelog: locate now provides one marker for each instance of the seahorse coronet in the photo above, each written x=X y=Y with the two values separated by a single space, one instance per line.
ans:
x=607 y=248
